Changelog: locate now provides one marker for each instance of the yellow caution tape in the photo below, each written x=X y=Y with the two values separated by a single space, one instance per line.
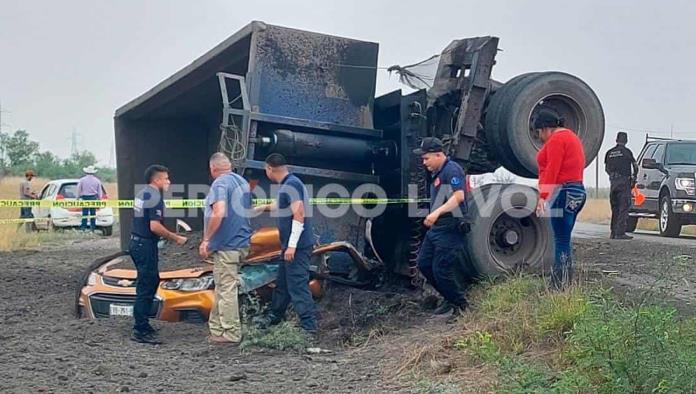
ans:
x=31 y=220
x=175 y=204
x=189 y=203
x=17 y=221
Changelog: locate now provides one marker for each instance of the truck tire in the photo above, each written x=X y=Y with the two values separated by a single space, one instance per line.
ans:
x=506 y=235
x=511 y=122
x=631 y=224
x=493 y=118
x=107 y=231
x=669 y=223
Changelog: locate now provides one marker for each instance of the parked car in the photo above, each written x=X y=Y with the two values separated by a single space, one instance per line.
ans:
x=665 y=185
x=55 y=217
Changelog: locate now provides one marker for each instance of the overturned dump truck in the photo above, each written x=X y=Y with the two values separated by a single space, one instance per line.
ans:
x=311 y=97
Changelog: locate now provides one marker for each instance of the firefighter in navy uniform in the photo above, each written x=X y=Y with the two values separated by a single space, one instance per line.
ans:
x=618 y=164
x=148 y=215
x=442 y=256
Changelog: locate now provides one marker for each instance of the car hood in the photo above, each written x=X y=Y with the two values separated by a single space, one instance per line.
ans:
x=683 y=169
x=121 y=273
x=265 y=247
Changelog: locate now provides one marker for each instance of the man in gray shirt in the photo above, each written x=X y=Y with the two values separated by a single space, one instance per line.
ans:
x=226 y=240
x=26 y=193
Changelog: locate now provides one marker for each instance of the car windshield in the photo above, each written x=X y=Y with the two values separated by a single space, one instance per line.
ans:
x=68 y=190
x=681 y=154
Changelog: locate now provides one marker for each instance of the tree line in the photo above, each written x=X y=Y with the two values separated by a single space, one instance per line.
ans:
x=18 y=153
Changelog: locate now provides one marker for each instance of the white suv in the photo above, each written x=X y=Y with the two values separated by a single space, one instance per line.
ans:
x=55 y=217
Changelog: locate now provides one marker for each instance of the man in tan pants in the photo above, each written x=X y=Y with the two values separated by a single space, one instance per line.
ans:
x=226 y=239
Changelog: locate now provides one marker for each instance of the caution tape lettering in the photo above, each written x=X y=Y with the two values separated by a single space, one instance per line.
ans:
x=190 y=203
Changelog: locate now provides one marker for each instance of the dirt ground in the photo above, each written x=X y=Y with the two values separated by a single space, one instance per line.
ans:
x=45 y=349
x=640 y=271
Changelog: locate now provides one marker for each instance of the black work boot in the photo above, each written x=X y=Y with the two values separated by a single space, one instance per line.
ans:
x=457 y=312
x=143 y=337
x=151 y=330
x=445 y=307
x=623 y=236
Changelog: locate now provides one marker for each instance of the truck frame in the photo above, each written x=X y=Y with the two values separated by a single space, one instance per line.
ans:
x=311 y=97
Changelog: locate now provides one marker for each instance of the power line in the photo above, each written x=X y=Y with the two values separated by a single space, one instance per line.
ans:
x=670 y=132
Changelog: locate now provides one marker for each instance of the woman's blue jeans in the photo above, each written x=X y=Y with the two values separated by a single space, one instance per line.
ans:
x=568 y=201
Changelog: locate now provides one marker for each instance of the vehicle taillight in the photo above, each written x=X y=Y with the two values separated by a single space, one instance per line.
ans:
x=105 y=197
x=60 y=197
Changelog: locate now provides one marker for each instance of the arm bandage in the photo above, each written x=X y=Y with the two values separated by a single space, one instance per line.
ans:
x=297 y=228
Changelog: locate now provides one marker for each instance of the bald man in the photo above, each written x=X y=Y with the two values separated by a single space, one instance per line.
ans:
x=226 y=240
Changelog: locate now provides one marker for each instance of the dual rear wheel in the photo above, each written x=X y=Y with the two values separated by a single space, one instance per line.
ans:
x=512 y=109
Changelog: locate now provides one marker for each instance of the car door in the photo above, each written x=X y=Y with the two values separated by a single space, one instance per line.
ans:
x=654 y=179
x=43 y=212
x=642 y=178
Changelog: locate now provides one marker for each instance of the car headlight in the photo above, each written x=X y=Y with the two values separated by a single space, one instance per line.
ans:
x=189 y=284
x=686 y=184
x=92 y=279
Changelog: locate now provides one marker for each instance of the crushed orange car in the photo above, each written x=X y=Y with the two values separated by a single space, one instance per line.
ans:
x=108 y=289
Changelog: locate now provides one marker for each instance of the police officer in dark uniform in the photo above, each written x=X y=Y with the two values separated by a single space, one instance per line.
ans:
x=442 y=256
x=297 y=242
x=147 y=229
x=618 y=164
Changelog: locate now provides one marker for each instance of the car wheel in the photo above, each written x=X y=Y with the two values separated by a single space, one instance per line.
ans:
x=631 y=224
x=670 y=225
x=107 y=231
x=507 y=236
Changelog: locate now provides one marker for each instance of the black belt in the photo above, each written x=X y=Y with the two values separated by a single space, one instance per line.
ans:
x=139 y=238
x=446 y=221
x=619 y=176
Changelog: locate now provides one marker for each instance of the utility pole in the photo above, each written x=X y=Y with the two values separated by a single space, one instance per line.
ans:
x=74 y=148
x=1 y=112
x=2 y=148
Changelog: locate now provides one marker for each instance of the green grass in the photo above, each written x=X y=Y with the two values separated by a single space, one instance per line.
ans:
x=506 y=296
x=284 y=336
x=578 y=341
x=481 y=346
x=558 y=312
x=646 y=350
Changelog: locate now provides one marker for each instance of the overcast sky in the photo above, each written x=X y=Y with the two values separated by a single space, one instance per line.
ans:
x=67 y=65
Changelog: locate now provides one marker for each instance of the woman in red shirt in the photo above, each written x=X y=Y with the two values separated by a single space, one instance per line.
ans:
x=561 y=164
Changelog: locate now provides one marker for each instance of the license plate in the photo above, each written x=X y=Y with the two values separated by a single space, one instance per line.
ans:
x=120 y=310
